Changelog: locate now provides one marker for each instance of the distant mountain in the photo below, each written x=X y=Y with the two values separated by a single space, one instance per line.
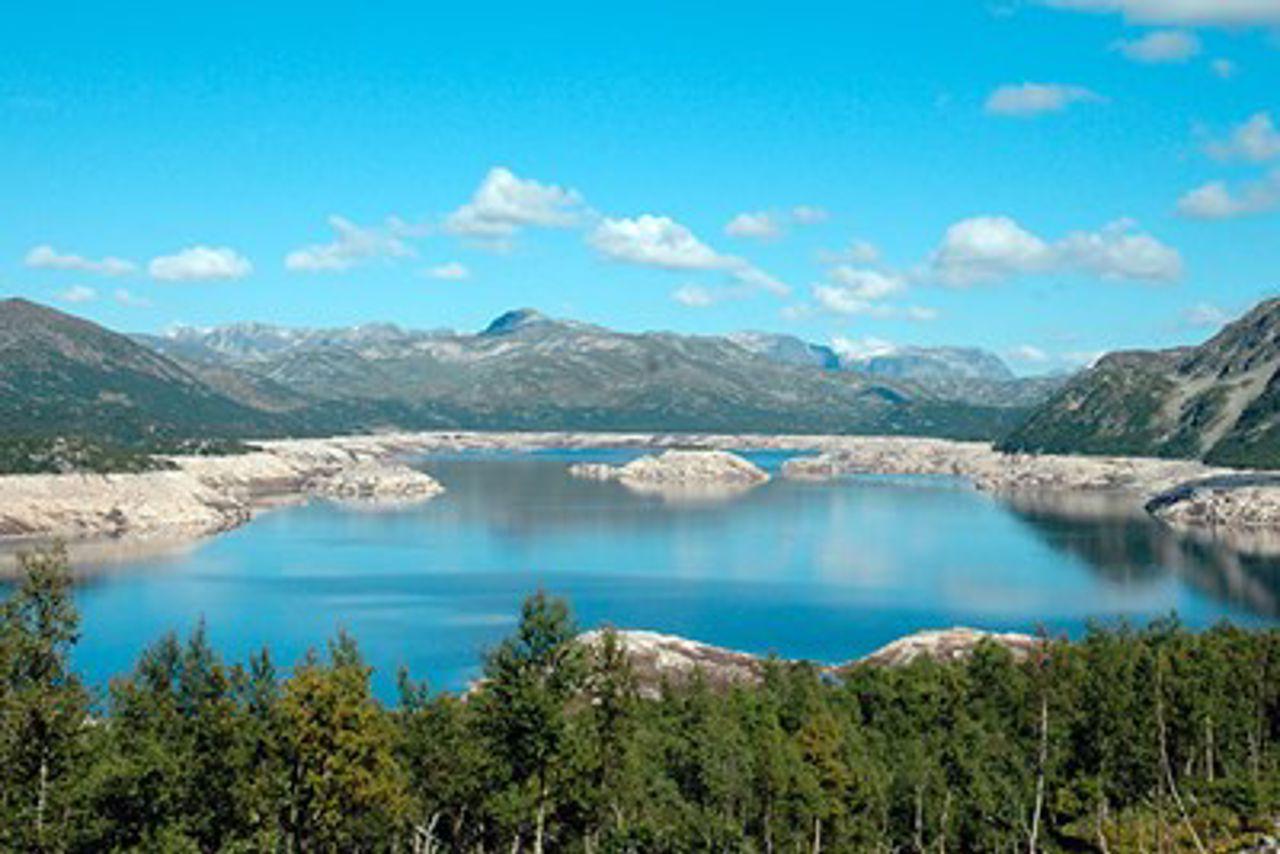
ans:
x=1219 y=401
x=61 y=374
x=787 y=349
x=528 y=371
x=933 y=363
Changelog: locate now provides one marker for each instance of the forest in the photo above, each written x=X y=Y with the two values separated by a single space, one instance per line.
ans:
x=1150 y=739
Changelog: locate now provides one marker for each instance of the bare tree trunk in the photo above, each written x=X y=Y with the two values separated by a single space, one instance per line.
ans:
x=1100 y=822
x=1164 y=761
x=817 y=835
x=919 y=818
x=1042 y=759
x=541 y=823
x=42 y=796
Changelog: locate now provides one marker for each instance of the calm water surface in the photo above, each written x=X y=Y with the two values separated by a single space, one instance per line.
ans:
x=826 y=571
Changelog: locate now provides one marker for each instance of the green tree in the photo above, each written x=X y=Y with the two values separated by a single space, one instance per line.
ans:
x=345 y=790
x=530 y=679
x=43 y=706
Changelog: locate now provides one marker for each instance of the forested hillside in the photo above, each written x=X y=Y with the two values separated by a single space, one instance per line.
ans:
x=1127 y=740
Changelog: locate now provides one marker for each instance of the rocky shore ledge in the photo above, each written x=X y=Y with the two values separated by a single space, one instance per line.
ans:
x=656 y=658
x=205 y=495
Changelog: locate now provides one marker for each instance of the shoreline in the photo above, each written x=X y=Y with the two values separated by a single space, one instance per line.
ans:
x=205 y=496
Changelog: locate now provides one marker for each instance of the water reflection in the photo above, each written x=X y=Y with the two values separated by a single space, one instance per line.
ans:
x=1121 y=542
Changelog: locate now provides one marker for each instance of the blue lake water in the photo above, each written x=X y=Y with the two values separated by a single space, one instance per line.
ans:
x=825 y=571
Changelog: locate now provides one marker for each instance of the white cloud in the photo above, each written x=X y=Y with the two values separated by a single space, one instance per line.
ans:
x=761 y=225
x=1216 y=200
x=809 y=214
x=1204 y=315
x=505 y=203
x=659 y=241
x=656 y=241
x=857 y=252
x=862 y=348
x=1033 y=99
x=1028 y=353
x=78 y=294
x=1255 y=140
x=1194 y=13
x=986 y=249
x=1224 y=69
x=45 y=257
x=768 y=225
x=693 y=296
x=864 y=283
x=993 y=248
x=1160 y=46
x=198 y=263
x=352 y=245
x=1117 y=252
x=450 y=271
x=125 y=297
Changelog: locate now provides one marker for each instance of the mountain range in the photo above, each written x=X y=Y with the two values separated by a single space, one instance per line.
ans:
x=65 y=375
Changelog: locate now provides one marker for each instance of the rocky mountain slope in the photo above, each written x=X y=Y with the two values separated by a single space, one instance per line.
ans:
x=61 y=374
x=528 y=371
x=1219 y=402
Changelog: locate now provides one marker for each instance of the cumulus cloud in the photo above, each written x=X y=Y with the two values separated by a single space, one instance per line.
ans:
x=993 y=248
x=1192 y=13
x=649 y=240
x=809 y=214
x=45 y=257
x=78 y=294
x=200 y=263
x=1160 y=46
x=761 y=225
x=1224 y=69
x=694 y=296
x=1255 y=140
x=505 y=203
x=352 y=244
x=126 y=297
x=1033 y=99
x=855 y=349
x=857 y=252
x=450 y=271
x=1217 y=200
x=1028 y=353
x=769 y=225
x=1204 y=315
x=861 y=293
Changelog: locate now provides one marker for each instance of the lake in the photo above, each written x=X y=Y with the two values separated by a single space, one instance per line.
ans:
x=823 y=571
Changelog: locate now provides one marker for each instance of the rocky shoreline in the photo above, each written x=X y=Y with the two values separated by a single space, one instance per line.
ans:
x=206 y=495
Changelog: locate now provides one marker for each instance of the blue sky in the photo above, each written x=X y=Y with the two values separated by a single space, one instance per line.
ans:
x=1044 y=179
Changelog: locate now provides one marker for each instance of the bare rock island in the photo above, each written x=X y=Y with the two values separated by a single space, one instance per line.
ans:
x=377 y=483
x=679 y=473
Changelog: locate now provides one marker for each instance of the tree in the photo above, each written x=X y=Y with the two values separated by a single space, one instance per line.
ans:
x=530 y=678
x=345 y=790
x=43 y=706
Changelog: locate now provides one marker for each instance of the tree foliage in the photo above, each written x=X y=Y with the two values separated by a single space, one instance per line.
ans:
x=1152 y=739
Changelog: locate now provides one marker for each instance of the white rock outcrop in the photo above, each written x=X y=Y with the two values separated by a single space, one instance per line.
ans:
x=376 y=482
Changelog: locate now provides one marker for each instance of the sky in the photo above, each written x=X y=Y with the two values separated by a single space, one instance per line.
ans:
x=1048 y=179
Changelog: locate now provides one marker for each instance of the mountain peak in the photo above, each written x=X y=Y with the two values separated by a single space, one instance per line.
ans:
x=514 y=320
